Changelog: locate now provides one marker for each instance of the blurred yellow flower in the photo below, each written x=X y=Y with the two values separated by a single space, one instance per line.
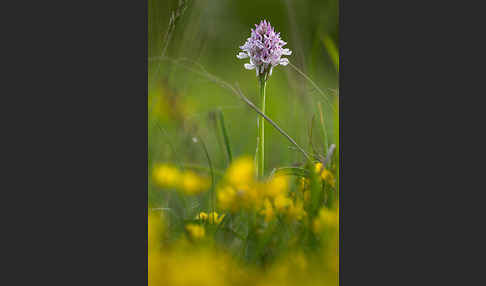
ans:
x=241 y=172
x=193 y=184
x=227 y=198
x=241 y=189
x=296 y=211
x=188 y=181
x=328 y=177
x=166 y=176
x=267 y=211
x=325 y=174
x=326 y=218
x=304 y=188
x=233 y=199
x=281 y=202
x=278 y=185
x=196 y=231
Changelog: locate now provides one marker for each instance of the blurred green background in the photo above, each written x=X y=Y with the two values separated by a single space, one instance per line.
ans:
x=183 y=105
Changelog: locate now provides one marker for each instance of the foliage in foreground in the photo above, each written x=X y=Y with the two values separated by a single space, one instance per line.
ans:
x=278 y=231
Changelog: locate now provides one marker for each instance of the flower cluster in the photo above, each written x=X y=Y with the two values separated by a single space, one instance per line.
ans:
x=325 y=174
x=195 y=231
x=186 y=181
x=327 y=218
x=241 y=190
x=264 y=48
x=212 y=218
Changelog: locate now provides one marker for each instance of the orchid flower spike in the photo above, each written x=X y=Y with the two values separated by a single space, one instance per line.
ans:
x=264 y=48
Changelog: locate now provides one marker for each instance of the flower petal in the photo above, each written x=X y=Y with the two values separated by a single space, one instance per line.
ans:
x=249 y=66
x=242 y=55
x=286 y=52
x=284 y=61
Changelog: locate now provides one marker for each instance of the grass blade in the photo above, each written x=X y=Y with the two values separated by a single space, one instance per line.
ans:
x=331 y=50
x=212 y=194
x=293 y=171
x=225 y=137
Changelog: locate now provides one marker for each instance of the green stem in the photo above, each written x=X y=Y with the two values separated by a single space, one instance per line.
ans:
x=261 y=130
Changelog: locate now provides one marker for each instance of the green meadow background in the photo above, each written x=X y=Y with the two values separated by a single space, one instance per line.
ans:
x=183 y=104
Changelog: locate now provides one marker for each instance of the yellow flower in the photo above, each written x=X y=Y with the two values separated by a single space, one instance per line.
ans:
x=328 y=177
x=281 y=202
x=326 y=218
x=227 y=198
x=251 y=196
x=193 y=184
x=267 y=211
x=304 y=187
x=240 y=189
x=166 y=176
x=213 y=217
x=325 y=174
x=241 y=172
x=202 y=216
x=230 y=198
x=196 y=231
x=188 y=182
x=296 y=211
x=276 y=186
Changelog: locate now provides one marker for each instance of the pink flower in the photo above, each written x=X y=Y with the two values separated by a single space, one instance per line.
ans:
x=264 y=48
